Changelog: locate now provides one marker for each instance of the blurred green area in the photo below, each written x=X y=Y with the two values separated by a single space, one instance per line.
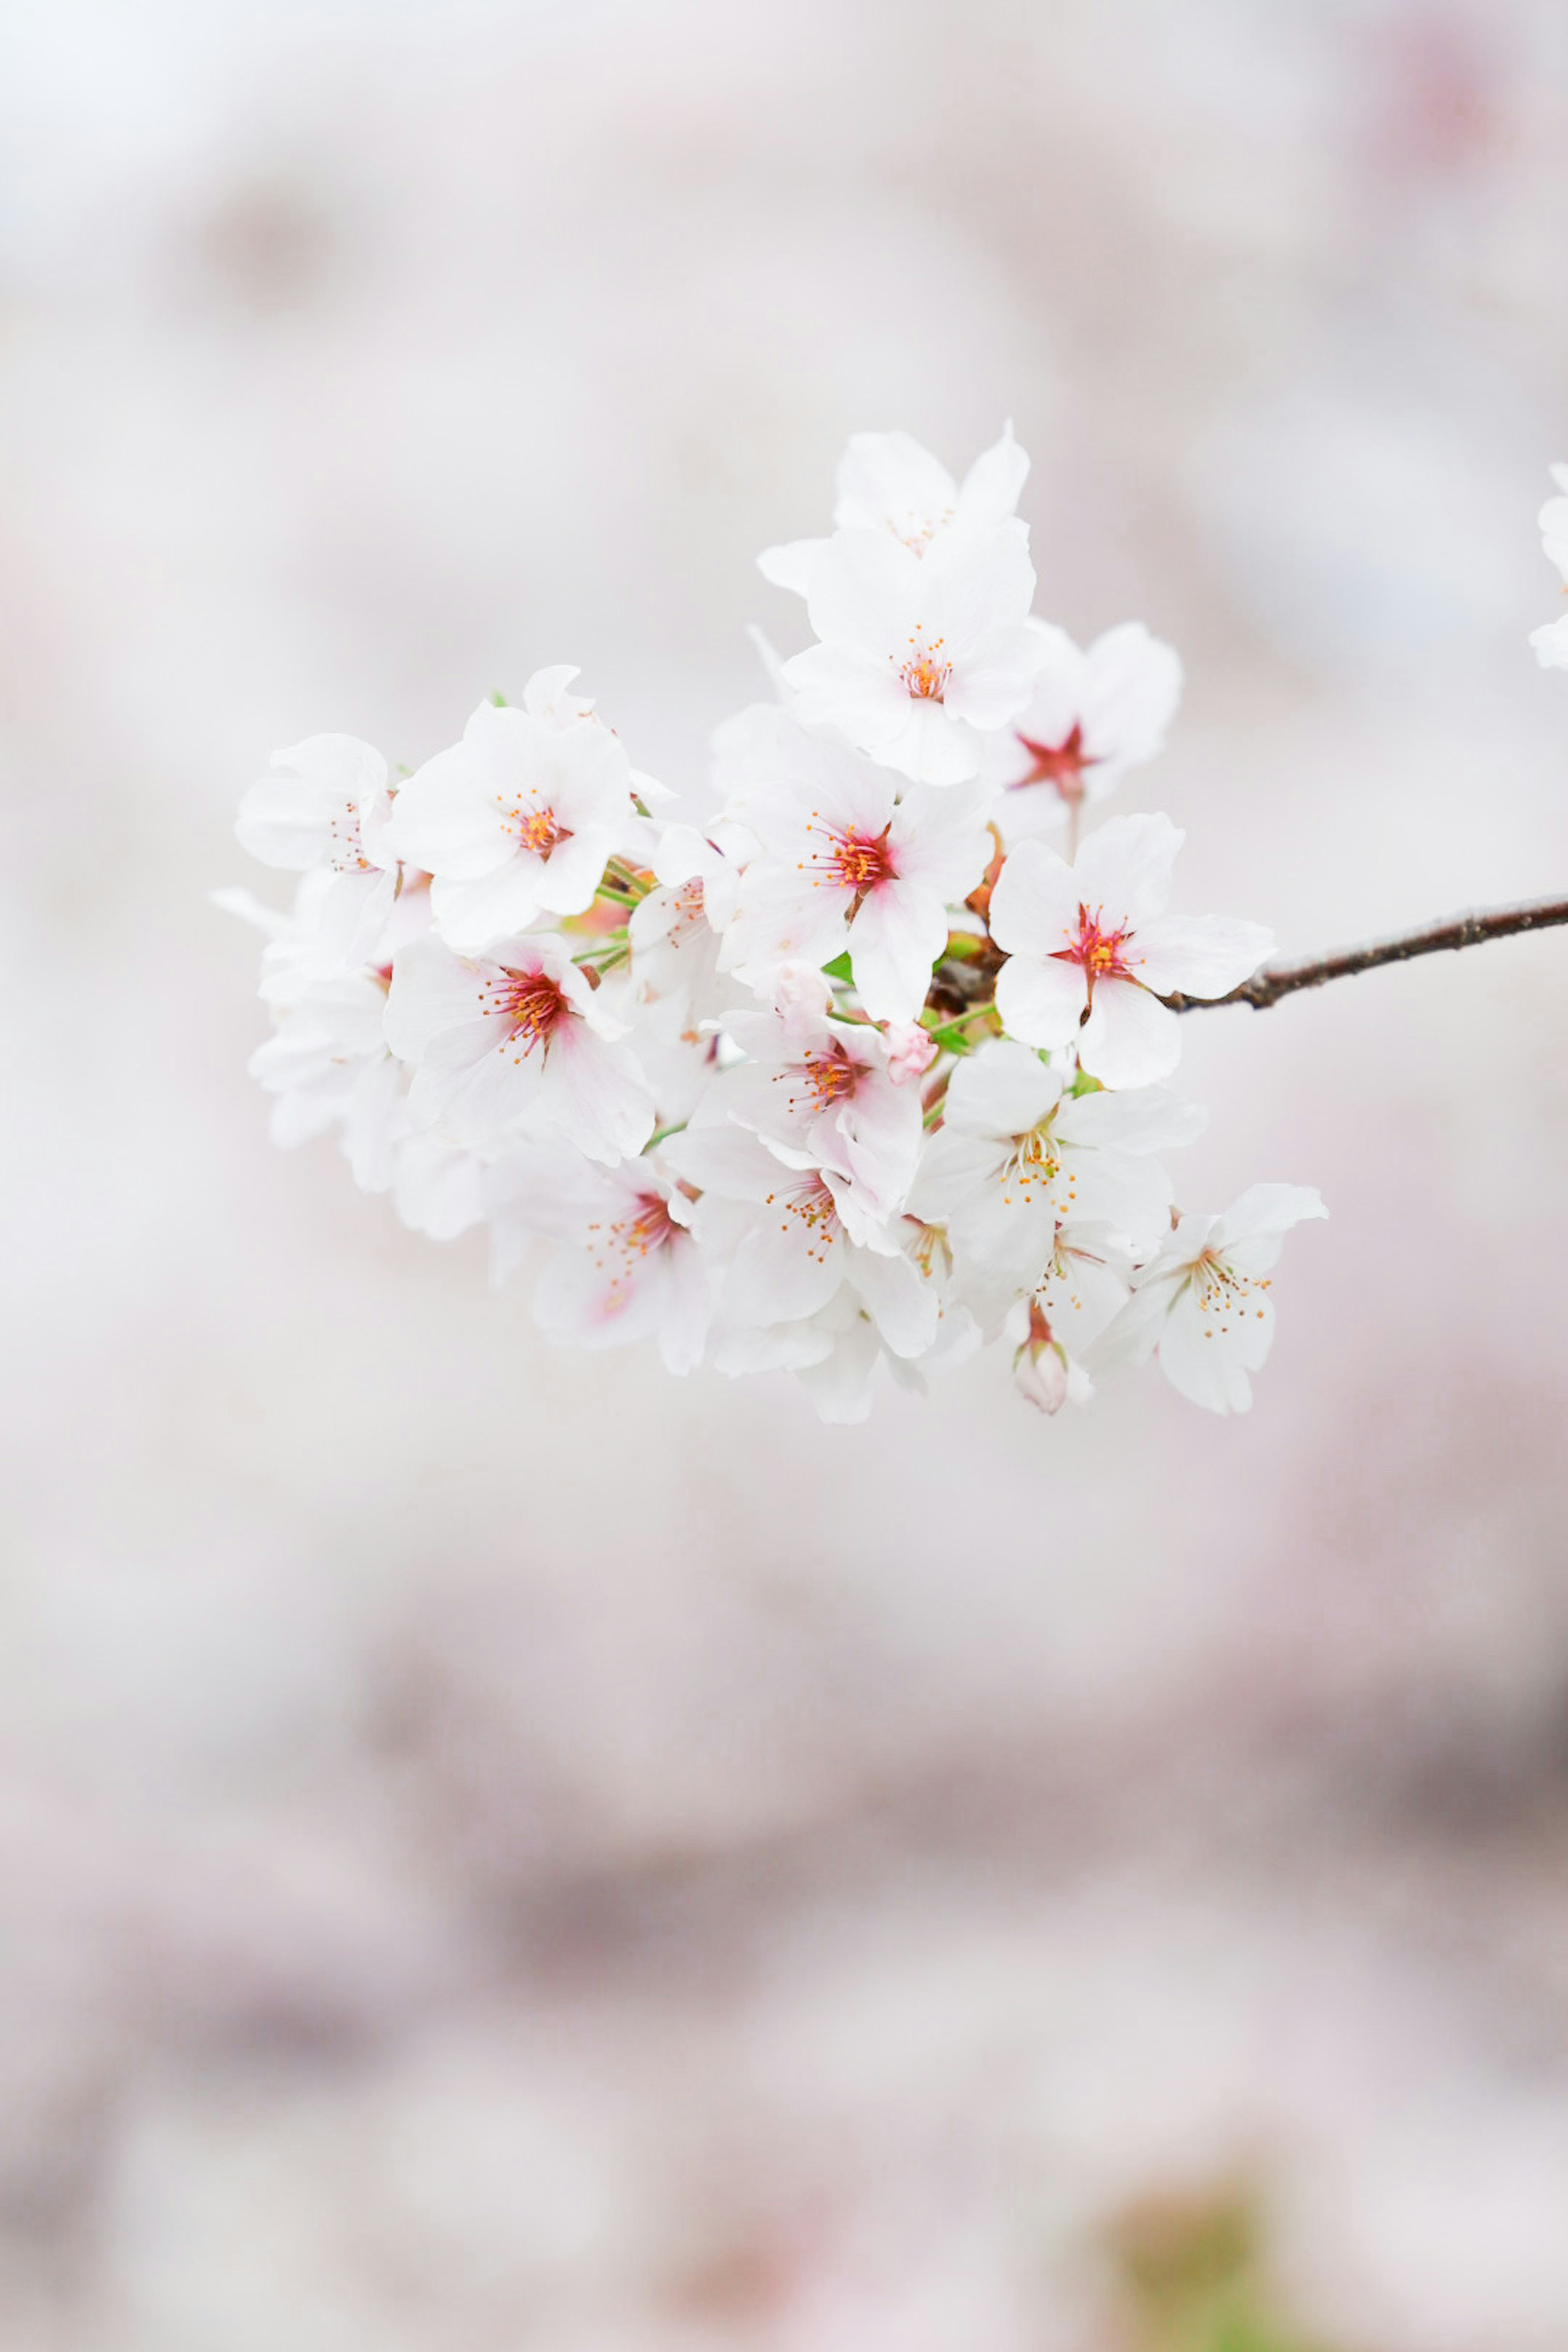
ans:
x=1192 y=2274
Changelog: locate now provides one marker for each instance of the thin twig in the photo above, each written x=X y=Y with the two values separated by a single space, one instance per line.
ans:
x=1467 y=931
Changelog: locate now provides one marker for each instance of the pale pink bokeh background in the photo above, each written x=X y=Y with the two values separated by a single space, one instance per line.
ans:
x=501 y=1849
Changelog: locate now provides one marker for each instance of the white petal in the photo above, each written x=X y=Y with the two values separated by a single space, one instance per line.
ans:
x=474 y=915
x=886 y=481
x=1041 y=1001
x=866 y=590
x=1130 y=1039
x=570 y=875
x=595 y=1094
x=445 y=820
x=993 y=484
x=1133 y=689
x=1057 y=698
x=1149 y=1119
x=1551 y=643
x=1002 y=1092
x=861 y=693
x=894 y=941
x=1126 y=866
x=840 y=1384
x=783 y=1269
x=904 y=1310
x=789 y=566
x=1253 y=1227
x=1202 y=955
x=284 y=821
x=931 y=746
x=432 y=990
x=688 y=1309
x=1202 y=1363
x=1034 y=906
x=994 y=681
x=975 y=582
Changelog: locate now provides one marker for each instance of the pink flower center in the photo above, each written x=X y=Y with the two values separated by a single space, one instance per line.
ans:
x=534 y=1004
x=822 y=1080
x=1221 y=1292
x=538 y=832
x=1098 y=952
x=925 y=674
x=860 y=862
x=1061 y=765
x=621 y=1248
x=810 y=1207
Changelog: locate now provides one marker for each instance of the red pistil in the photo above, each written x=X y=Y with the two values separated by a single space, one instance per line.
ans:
x=925 y=674
x=539 y=831
x=829 y=1077
x=1061 y=764
x=860 y=862
x=537 y=1007
x=1097 y=952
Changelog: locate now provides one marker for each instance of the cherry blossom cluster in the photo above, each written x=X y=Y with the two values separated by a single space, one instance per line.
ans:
x=865 y=1067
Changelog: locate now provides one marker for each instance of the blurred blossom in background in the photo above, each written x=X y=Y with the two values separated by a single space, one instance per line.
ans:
x=504 y=1852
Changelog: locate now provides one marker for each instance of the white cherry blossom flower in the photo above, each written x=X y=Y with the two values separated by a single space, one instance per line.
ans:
x=516 y=821
x=326 y=805
x=1202 y=1303
x=844 y=863
x=515 y=1040
x=327 y=1065
x=1084 y=1287
x=888 y=482
x=1018 y=1157
x=781 y=1234
x=919 y=653
x=1091 y=952
x=821 y=1093
x=1094 y=715
x=621 y=1264
x=676 y=930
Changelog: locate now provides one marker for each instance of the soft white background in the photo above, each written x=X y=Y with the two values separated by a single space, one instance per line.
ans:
x=502 y=1850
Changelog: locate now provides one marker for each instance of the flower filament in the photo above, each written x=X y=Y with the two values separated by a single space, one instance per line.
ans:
x=925 y=674
x=1221 y=1291
x=538 y=831
x=534 y=1006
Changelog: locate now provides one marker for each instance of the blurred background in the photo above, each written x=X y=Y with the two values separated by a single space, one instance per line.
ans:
x=504 y=1852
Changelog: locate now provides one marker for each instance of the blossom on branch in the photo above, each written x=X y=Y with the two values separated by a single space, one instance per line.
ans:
x=1091 y=952
x=515 y=1041
x=1202 y=1303
x=516 y=821
x=840 y=1072
x=920 y=654
x=1093 y=716
x=886 y=482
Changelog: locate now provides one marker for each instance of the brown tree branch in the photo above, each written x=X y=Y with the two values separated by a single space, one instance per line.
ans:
x=1274 y=981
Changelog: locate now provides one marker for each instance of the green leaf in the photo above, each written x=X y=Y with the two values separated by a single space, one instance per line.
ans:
x=839 y=968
